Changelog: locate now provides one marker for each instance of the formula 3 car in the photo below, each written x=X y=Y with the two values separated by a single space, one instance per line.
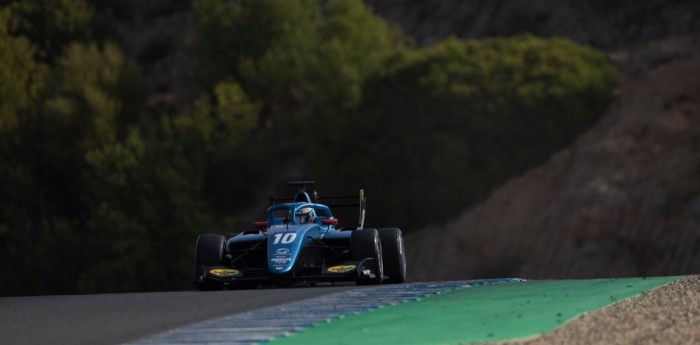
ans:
x=299 y=242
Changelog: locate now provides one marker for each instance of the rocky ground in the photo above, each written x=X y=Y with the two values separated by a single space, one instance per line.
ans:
x=666 y=315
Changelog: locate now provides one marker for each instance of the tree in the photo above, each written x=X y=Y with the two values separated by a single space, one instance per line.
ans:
x=459 y=118
x=302 y=62
x=22 y=80
x=21 y=77
x=51 y=25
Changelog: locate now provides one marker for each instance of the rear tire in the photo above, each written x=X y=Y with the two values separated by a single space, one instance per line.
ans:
x=394 y=255
x=365 y=243
x=209 y=251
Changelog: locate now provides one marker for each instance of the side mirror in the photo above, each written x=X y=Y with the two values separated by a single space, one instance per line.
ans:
x=333 y=221
x=261 y=224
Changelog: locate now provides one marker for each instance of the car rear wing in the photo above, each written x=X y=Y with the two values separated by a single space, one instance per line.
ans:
x=341 y=201
x=330 y=201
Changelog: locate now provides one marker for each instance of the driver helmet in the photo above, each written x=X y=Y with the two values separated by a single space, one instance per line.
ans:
x=305 y=215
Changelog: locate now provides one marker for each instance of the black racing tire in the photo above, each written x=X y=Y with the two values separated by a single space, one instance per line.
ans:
x=394 y=255
x=365 y=243
x=209 y=251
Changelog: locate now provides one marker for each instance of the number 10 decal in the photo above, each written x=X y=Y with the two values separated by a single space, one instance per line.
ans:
x=285 y=238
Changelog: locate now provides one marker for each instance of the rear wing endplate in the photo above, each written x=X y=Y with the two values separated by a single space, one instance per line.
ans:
x=337 y=202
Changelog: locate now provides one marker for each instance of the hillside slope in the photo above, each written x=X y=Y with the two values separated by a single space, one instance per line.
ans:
x=623 y=200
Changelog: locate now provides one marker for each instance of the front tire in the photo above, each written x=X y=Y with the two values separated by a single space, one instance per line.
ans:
x=365 y=243
x=394 y=255
x=209 y=251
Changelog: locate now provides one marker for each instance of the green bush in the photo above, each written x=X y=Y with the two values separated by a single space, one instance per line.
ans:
x=459 y=118
x=98 y=194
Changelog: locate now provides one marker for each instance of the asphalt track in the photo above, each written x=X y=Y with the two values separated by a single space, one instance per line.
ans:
x=119 y=318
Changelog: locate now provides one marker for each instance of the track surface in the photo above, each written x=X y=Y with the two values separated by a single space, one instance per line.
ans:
x=268 y=323
x=119 y=318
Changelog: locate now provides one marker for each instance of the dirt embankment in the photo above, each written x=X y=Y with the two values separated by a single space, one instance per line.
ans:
x=623 y=200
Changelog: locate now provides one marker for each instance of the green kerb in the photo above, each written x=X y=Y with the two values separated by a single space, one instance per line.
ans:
x=479 y=314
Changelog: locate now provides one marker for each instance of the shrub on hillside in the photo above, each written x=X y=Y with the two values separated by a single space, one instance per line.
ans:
x=461 y=117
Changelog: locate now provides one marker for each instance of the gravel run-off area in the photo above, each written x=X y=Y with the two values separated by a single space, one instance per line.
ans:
x=669 y=314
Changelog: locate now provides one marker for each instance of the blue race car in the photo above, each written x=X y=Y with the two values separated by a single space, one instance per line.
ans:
x=299 y=242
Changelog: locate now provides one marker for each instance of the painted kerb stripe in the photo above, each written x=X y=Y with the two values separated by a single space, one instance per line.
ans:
x=269 y=323
x=489 y=313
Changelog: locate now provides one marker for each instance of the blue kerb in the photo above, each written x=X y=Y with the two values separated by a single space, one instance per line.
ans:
x=262 y=325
